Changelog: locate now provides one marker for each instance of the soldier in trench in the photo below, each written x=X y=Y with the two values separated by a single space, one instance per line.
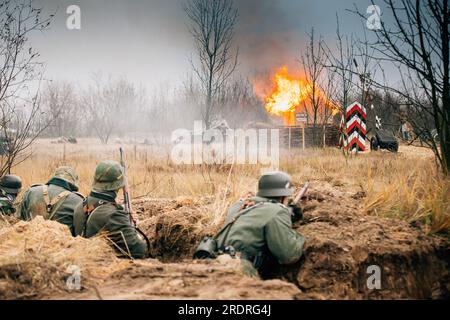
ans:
x=55 y=200
x=101 y=214
x=259 y=230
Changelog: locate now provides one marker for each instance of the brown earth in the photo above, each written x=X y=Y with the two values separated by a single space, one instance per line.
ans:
x=342 y=243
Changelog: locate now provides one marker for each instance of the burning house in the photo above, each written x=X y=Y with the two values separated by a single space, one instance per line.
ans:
x=302 y=111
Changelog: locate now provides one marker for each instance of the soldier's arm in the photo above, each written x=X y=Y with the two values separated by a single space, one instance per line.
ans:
x=284 y=243
x=125 y=235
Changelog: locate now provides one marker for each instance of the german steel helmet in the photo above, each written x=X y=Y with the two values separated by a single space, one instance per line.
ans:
x=11 y=184
x=69 y=175
x=275 y=184
x=108 y=176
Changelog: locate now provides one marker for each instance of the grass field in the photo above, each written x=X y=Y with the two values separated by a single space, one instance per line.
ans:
x=405 y=185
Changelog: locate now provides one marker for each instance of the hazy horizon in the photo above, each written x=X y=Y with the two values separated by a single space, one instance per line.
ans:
x=148 y=42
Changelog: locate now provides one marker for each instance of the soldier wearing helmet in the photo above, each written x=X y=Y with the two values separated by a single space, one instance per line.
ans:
x=101 y=214
x=10 y=186
x=260 y=228
x=55 y=200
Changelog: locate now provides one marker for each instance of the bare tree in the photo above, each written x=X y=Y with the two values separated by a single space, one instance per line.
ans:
x=240 y=103
x=107 y=105
x=340 y=62
x=417 y=43
x=212 y=26
x=320 y=85
x=60 y=105
x=20 y=72
x=313 y=65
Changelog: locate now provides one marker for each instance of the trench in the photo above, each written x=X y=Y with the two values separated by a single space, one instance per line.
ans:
x=330 y=268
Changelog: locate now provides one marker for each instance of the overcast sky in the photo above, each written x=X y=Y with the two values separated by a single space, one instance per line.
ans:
x=148 y=42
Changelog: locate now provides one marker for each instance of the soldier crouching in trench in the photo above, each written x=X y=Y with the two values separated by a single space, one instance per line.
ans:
x=101 y=214
x=259 y=229
x=54 y=200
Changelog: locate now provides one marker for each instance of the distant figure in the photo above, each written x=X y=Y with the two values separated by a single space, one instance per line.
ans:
x=55 y=200
x=406 y=129
x=101 y=214
x=259 y=229
x=10 y=186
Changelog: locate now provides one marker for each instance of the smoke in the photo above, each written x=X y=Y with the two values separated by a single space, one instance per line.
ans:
x=269 y=35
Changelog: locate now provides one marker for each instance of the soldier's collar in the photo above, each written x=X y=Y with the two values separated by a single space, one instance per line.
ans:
x=63 y=184
x=109 y=196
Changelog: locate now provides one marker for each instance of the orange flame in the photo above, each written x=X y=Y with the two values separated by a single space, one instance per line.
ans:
x=291 y=94
x=287 y=94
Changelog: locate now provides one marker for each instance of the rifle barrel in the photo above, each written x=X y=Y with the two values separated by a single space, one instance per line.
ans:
x=301 y=193
x=126 y=191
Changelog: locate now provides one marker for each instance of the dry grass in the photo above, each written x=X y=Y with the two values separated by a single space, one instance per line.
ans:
x=404 y=185
x=418 y=195
x=35 y=257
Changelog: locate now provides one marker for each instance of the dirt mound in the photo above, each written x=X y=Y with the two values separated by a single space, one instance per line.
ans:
x=35 y=258
x=342 y=243
x=202 y=280
x=6 y=221
x=175 y=226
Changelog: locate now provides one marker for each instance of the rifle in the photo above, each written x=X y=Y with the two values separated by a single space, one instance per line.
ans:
x=126 y=190
x=296 y=212
x=127 y=200
x=301 y=194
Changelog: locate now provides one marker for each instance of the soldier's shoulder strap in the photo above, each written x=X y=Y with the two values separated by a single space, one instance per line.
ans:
x=50 y=203
x=79 y=194
x=89 y=211
x=239 y=214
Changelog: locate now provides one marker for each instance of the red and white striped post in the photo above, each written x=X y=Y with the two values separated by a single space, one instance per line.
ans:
x=353 y=129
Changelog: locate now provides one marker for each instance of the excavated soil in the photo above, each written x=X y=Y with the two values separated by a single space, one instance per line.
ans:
x=205 y=280
x=342 y=243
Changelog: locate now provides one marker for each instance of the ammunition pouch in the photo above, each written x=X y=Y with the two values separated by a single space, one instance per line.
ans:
x=207 y=249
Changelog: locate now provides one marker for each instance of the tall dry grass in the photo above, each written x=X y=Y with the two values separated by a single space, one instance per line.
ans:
x=404 y=185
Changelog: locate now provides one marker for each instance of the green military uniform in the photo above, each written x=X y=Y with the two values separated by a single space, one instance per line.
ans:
x=100 y=214
x=6 y=204
x=263 y=232
x=10 y=186
x=261 y=227
x=56 y=200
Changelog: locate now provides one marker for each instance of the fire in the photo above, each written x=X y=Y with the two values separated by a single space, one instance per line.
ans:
x=291 y=94
x=288 y=93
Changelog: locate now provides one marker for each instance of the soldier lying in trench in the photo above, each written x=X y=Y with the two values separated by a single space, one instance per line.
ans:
x=259 y=229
